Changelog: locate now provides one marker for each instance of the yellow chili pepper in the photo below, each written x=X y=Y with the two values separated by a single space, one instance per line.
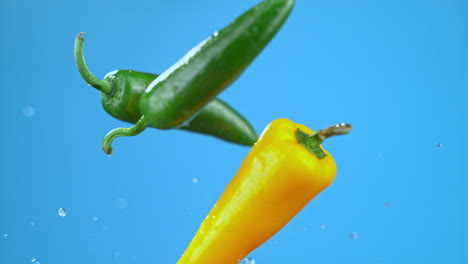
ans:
x=284 y=171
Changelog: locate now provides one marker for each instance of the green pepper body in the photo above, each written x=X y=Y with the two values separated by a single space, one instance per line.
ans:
x=219 y=119
x=181 y=91
x=216 y=119
x=127 y=87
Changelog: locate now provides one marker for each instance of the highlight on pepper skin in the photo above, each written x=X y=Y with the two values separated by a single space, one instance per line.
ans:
x=121 y=91
x=281 y=174
x=179 y=93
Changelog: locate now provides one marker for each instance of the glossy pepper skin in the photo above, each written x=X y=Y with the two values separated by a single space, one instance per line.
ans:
x=279 y=176
x=127 y=88
x=180 y=92
x=212 y=66
x=121 y=91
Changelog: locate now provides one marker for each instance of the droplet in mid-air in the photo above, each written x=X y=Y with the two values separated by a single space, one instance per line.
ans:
x=354 y=236
x=62 y=212
x=322 y=226
x=195 y=180
x=29 y=111
x=5 y=235
x=248 y=261
x=440 y=145
x=95 y=218
x=121 y=203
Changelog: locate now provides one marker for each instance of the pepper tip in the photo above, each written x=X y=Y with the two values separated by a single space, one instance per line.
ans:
x=80 y=35
x=108 y=150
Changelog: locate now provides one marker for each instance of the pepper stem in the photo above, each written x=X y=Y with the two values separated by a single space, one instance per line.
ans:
x=312 y=142
x=101 y=85
x=123 y=132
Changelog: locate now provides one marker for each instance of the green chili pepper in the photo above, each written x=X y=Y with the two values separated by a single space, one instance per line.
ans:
x=206 y=70
x=121 y=91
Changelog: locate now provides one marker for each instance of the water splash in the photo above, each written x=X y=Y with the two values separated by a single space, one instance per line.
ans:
x=121 y=203
x=354 y=236
x=248 y=261
x=29 y=111
x=62 y=212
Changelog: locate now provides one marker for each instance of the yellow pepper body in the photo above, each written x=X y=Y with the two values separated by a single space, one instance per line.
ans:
x=277 y=179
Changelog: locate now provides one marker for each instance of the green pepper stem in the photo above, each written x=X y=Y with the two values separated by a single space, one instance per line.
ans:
x=123 y=132
x=312 y=142
x=101 y=85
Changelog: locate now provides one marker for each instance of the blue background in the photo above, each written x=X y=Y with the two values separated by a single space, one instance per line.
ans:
x=396 y=70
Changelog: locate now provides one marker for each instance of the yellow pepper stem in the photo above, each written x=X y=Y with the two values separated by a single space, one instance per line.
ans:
x=312 y=142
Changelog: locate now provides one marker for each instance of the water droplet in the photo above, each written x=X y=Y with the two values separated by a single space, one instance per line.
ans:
x=4 y=235
x=121 y=203
x=354 y=236
x=248 y=261
x=195 y=180
x=439 y=145
x=33 y=260
x=29 y=111
x=215 y=33
x=387 y=204
x=322 y=226
x=62 y=212
x=95 y=218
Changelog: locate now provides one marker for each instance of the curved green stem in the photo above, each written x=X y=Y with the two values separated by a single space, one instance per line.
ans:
x=123 y=132
x=101 y=85
x=312 y=142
